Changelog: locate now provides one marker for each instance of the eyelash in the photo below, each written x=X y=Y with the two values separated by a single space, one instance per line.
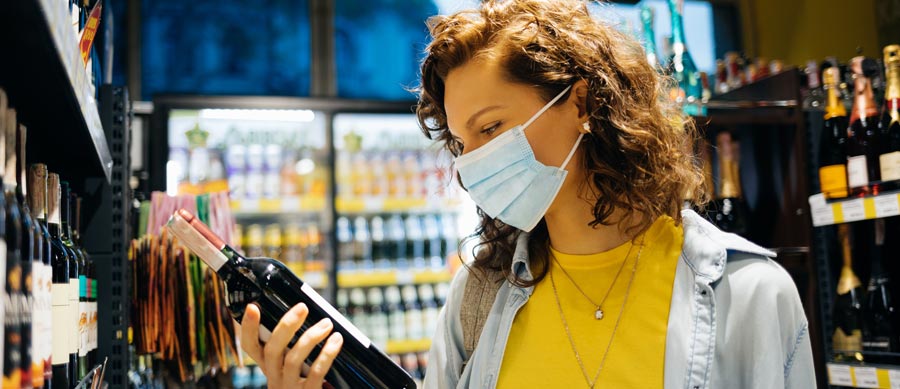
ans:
x=492 y=129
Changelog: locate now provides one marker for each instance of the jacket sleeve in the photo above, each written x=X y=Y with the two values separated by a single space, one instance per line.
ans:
x=799 y=370
x=445 y=359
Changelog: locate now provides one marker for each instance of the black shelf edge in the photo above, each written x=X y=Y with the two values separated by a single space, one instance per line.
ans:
x=52 y=99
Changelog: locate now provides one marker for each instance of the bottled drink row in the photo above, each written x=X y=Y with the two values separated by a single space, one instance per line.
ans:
x=394 y=313
x=390 y=173
x=50 y=300
x=397 y=242
x=299 y=246
x=736 y=70
x=252 y=377
x=860 y=153
x=865 y=318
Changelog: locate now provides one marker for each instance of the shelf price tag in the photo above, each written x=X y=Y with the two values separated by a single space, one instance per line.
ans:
x=405 y=277
x=822 y=213
x=250 y=205
x=839 y=375
x=894 y=378
x=854 y=210
x=866 y=377
x=887 y=205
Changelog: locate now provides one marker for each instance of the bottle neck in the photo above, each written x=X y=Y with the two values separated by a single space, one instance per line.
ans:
x=892 y=93
x=848 y=280
x=835 y=105
x=864 y=101
x=649 y=38
x=730 y=186
x=878 y=250
x=678 y=43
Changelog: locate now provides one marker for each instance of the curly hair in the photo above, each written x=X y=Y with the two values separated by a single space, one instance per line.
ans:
x=639 y=159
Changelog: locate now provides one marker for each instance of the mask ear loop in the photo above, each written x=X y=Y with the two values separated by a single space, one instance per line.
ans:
x=572 y=152
x=546 y=107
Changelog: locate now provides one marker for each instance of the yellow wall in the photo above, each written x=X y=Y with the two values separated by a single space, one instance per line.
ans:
x=798 y=30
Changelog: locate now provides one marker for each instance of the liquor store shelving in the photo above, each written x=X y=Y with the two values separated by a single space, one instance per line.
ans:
x=357 y=205
x=826 y=212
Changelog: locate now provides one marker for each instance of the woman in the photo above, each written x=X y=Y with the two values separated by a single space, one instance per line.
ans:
x=588 y=272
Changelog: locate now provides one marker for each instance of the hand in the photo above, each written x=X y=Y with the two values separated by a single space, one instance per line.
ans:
x=282 y=365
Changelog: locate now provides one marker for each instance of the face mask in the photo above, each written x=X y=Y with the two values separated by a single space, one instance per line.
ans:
x=507 y=182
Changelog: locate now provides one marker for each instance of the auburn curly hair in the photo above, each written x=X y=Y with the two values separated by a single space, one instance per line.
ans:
x=639 y=159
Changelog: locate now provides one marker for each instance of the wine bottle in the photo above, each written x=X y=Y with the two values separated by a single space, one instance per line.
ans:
x=879 y=334
x=75 y=271
x=890 y=120
x=833 y=142
x=649 y=40
x=275 y=289
x=12 y=348
x=731 y=212
x=31 y=367
x=689 y=91
x=63 y=357
x=90 y=285
x=37 y=199
x=847 y=338
x=863 y=171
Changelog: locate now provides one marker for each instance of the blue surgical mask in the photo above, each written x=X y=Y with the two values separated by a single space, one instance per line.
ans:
x=505 y=179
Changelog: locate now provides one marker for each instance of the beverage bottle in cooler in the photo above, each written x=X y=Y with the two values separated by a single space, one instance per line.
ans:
x=236 y=164
x=414 y=321
x=396 y=241
x=314 y=258
x=415 y=188
x=361 y=175
x=272 y=169
x=344 y=174
x=293 y=249
x=254 y=179
x=273 y=241
x=380 y=183
x=396 y=313
x=890 y=120
x=415 y=243
x=346 y=244
x=395 y=176
x=342 y=302
x=254 y=246
x=430 y=309
x=863 y=146
x=833 y=142
x=288 y=173
x=359 y=310
x=380 y=245
x=378 y=318
x=275 y=290
x=433 y=242
x=362 y=244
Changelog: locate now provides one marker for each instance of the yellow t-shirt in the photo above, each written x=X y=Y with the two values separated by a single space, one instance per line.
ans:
x=538 y=353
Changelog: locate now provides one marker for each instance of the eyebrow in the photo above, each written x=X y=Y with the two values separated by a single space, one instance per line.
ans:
x=472 y=119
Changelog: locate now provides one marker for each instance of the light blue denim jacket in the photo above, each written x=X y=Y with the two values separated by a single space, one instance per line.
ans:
x=735 y=321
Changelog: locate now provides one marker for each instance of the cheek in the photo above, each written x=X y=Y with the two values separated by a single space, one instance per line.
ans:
x=552 y=147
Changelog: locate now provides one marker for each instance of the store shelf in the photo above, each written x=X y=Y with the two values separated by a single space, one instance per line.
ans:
x=288 y=205
x=857 y=376
x=850 y=210
x=49 y=86
x=407 y=346
x=384 y=278
x=375 y=204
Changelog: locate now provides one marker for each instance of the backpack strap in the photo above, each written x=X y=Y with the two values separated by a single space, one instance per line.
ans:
x=478 y=299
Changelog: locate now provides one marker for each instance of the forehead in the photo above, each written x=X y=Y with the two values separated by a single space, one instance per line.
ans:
x=477 y=84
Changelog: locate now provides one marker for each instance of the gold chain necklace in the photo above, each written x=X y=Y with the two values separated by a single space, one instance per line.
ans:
x=562 y=316
x=598 y=314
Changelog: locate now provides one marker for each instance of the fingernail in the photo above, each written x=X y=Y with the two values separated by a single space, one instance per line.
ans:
x=324 y=323
x=336 y=338
x=302 y=308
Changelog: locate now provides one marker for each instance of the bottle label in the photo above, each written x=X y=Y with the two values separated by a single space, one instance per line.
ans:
x=82 y=328
x=890 y=166
x=833 y=181
x=75 y=315
x=335 y=315
x=59 y=295
x=857 y=171
x=414 y=324
x=398 y=325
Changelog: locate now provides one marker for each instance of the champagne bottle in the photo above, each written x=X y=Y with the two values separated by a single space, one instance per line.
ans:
x=890 y=119
x=37 y=199
x=12 y=348
x=275 y=289
x=879 y=334
x=731 y=215
x=649 y=40
x=689 y=91
x=833 y=143
x=863 y=171
x=847 y=338
x=63 y=356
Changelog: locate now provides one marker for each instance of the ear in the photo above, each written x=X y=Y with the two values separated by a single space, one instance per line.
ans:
x=579 y=98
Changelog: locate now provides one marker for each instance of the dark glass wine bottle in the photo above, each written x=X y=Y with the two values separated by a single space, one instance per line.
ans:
x=890 y=120
x=75 y=271
x=833 y=142
x=63 y=357
x=847 y=337
x=27 y=250
x=269 y=284
x=878 y=331
x=12 y=358
x=37 y=198
x=89 y=287
x=731 y=211
x=863 y=146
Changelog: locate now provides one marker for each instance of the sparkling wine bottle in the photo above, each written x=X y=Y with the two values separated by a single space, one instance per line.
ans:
x=269 y=284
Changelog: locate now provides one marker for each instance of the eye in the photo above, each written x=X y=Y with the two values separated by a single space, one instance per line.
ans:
x=492 y=129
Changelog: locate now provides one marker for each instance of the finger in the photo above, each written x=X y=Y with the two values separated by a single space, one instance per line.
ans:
x=275 y=348
x=293 y=361
x=323 y=362
x=250 y=334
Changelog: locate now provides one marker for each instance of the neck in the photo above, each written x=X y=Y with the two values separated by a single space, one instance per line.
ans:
x=570 y=232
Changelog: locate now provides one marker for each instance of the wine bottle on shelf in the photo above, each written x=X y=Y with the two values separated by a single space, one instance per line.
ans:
x=731 y=215
x=275 y=289
x=37 y=201
x=847 y=337
x=31 y=367
x=689 y=91
x=833 y=142
x=649 y=40
x=75 y=272
x=879 y=334
x=12 y=347
x=890 y=120
x=863 y=171
x=89 y=287
x=63 y=356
